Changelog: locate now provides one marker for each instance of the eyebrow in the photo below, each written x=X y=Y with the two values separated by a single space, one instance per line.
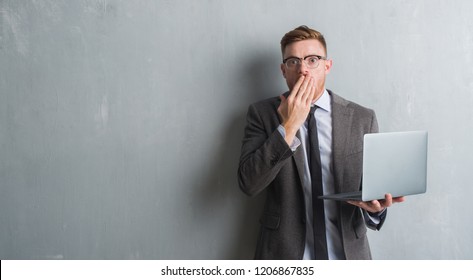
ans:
x=303 y=58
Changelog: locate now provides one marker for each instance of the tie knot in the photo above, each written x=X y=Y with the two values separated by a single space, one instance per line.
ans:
x=313 y=108
x=311 y=113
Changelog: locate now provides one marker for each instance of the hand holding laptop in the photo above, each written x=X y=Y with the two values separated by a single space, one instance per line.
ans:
x=374 y=206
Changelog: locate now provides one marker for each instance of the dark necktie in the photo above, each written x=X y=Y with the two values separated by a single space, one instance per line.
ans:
x=320 y=240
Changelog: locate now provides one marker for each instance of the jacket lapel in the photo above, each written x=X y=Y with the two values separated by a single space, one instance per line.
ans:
x=342 y=118
x=299 y=159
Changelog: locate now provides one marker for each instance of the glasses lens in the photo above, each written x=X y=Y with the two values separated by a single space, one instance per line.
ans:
x=312 y=61
x=292 y=63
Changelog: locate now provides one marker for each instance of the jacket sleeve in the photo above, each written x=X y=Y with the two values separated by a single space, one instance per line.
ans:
x=372 y=225
x=382 y=216
x=264 y=152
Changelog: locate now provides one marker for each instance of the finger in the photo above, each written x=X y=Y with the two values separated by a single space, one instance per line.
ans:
x=303 y=87
x=399 y=199
x=297 y=86
x=283 y=104
x=313 y=91
x=307 y=98
x=376 y=205
x=370 y=206
x=317 y=93
x=388 y=200
x=283 y=98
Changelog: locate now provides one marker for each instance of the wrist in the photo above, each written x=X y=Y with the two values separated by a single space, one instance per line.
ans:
x=290 y=129
x=378 y=213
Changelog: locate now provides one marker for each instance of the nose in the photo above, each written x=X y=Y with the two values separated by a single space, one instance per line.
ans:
x=303 y=69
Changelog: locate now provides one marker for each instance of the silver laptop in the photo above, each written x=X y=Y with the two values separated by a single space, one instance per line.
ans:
x=394 y=163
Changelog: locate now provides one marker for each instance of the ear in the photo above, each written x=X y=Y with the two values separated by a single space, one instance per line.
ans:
x=328 y=65
x=283 y=70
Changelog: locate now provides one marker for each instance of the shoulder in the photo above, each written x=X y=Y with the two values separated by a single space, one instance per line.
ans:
x=266 y=108
x=264 y=113
x=337 y=100
x=272 y=102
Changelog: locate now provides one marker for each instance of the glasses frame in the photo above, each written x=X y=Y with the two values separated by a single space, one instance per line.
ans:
x=319 y=57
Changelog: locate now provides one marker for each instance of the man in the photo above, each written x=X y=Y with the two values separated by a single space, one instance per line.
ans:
x=277 y=157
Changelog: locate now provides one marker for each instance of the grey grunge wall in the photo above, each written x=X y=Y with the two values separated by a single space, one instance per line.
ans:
x=121 y=121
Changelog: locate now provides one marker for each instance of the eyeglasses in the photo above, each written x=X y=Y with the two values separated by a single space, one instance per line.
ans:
x=311 y=61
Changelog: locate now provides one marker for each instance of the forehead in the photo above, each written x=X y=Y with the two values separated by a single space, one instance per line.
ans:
x=304 y=48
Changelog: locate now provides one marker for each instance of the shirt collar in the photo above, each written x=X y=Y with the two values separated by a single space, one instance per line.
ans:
x=324 y=101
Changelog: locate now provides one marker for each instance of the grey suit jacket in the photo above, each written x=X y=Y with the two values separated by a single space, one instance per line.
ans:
x=267 y=163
